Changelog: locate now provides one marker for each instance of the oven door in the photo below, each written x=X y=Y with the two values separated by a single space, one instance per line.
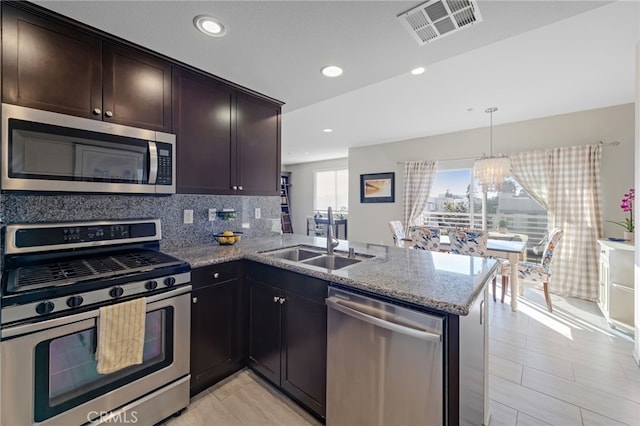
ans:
x=49 y=375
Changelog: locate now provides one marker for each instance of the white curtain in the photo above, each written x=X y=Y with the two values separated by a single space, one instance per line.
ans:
x=566 y=181
x=418 y=179
x=531 y=170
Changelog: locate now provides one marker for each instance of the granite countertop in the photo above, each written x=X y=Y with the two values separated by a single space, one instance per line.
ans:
x=445 y=282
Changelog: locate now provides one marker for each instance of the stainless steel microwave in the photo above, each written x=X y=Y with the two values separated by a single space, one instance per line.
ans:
x=47 y=151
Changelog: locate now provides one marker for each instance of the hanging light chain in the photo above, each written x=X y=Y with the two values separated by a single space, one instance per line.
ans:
x=490 y=111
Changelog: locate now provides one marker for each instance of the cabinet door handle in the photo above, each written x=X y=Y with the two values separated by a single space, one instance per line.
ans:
x=240 y=188
x=194 y=300
x=481 y=310
x=97 y=111
x=275 y=299
x=108 y=114
x=281 y=300
x=234 y=187
x=216 y=275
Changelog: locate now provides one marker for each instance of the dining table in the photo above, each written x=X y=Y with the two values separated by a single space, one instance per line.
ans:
x=504 y=249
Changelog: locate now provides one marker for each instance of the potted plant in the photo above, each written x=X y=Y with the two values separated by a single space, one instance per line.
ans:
x=503 y=225
x=627 y=207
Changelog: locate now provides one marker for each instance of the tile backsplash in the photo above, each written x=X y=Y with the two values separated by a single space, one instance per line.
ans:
x=30 y=208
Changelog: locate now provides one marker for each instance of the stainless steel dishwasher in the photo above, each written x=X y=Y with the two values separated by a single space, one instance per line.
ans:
x=384 y=363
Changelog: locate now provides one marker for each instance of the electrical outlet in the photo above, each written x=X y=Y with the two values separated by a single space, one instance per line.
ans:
x=212 y=215
x=258 y=213
x=188 y=216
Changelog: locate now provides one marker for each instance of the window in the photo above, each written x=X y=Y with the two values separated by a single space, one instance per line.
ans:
x=331 y=189
x=511 y=213
x=450 y=201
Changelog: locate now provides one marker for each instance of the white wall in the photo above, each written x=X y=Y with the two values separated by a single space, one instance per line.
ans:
x=636 y=349
x=302 y=190
x=368 y=222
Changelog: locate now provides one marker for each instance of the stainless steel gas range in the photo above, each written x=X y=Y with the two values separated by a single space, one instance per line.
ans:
x=55 y=279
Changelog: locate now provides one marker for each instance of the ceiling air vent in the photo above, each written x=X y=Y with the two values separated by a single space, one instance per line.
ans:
x=438 y=18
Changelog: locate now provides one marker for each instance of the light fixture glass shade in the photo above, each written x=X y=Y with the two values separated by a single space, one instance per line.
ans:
x=491 y=172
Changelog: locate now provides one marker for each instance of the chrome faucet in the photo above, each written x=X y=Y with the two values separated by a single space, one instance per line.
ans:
x=332 y=242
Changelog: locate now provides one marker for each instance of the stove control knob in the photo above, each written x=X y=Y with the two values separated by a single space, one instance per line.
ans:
x=151 y=285
x=116 y=292
x=169 y=281
x=74 y=301
x=44 y=308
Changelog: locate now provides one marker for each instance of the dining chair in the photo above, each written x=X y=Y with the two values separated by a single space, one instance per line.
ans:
x=425 y=238
x=313 y=228
x=471 y=242
x=534 y=272
x=399 y=237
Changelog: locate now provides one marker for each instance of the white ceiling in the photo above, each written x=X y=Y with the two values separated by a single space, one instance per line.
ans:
x=530 y=59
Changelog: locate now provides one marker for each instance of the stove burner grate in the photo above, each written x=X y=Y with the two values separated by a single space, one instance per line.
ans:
x=74 y=270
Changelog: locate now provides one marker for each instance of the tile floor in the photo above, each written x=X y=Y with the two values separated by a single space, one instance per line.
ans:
x=563 y=369
x=243 y=399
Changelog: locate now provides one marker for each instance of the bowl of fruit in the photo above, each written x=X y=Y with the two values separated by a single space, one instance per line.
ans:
x=228 y=238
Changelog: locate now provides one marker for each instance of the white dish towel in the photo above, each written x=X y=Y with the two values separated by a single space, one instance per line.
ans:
x=120 y=335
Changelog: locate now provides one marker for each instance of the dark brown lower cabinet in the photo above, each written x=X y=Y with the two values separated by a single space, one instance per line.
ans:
x=287 y=333
x=304 y=348
x=264 y=329
x=217 y=324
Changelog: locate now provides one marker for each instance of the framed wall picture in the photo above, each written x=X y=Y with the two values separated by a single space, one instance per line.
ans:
x=377 y=188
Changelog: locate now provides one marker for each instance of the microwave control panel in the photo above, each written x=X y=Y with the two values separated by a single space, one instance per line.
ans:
x=165 y=164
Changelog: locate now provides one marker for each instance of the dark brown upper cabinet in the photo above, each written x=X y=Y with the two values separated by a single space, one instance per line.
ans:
x=202 y=122
x=228 y=142
x=136 y=88
x=51 y=65
x=258 y=146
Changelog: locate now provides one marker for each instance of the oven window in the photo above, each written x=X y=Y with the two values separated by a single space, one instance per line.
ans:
x=66 y=368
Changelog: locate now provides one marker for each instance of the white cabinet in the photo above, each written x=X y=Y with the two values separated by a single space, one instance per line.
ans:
x=615 y=287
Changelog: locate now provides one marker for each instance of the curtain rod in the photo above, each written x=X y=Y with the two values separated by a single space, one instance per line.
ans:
x=614 y=143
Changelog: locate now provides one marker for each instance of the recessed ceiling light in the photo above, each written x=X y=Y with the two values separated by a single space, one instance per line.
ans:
x=210 y=26
x=331 y=71
x=327 y=130
x=418 y=71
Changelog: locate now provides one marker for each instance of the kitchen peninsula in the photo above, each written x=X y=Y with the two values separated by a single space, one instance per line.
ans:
x=451 y=286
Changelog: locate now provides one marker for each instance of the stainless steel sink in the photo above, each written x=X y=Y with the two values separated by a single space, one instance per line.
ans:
x=316 y=256
x=331 y=261
x=295 y=254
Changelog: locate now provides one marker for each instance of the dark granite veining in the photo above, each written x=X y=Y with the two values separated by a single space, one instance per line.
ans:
x=445 y=282
x=29 y=208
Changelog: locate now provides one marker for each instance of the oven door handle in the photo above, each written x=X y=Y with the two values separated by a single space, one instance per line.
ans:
x=22 y=329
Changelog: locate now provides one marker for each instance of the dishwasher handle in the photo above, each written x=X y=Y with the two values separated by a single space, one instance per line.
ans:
x=335 y=303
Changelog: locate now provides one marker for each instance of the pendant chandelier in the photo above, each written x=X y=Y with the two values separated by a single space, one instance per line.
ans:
x=491 y=171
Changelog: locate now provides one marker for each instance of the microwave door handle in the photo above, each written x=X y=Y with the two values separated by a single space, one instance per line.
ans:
x=153 y=163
